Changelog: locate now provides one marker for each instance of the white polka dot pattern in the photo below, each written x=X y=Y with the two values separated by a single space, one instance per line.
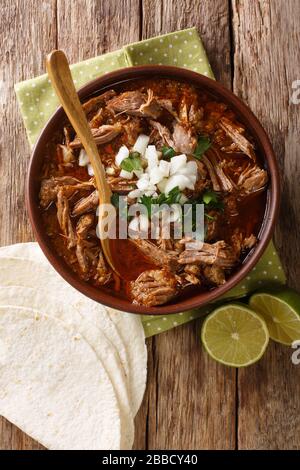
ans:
x=37 y=100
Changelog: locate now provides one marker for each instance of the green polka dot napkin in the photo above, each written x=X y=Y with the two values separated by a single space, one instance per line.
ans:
x=38 y=101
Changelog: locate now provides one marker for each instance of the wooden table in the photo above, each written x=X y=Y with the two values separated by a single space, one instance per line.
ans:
x=253 y=45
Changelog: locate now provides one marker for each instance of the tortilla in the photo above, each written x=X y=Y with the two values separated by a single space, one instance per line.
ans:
x=29 y=250
x=84 y=305
x=40 y=300
x=132 y=333
x=52 y=384
x=129 y=329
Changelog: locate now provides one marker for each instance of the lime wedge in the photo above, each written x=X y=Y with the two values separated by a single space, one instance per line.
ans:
x=281 y=312
x=235 y=335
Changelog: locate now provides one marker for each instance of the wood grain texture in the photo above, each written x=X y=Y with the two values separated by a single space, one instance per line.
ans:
x=190 y=399
x=190 y=402
x=96 y=26
x=266 y=62
x=27 y=30
x=210 y=18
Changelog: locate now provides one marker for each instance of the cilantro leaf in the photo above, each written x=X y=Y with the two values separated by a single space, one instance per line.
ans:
x=203 y=144
x=134 y=154
x=167 y=152
x=115 y=200
x=211 y=199
x=131 y=163
x=210 y=196
x=147 y=201
x=171 y=198
x=209 y=217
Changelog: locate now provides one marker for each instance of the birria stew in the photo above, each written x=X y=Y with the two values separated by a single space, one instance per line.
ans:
x=160 y=141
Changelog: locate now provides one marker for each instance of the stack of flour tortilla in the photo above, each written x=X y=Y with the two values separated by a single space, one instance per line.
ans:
x=72 y=372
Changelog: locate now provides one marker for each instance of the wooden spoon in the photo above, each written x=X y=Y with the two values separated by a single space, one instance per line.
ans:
x=61 y=79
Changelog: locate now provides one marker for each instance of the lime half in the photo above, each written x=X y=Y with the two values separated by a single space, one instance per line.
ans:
x=281 y=311
x=235 y=335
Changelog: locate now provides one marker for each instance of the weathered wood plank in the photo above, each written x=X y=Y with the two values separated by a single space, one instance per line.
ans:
x=96 y=26
x=27 y=31
x=266 y=62
x=190 y=399
x=22 y=57
x=210 y=18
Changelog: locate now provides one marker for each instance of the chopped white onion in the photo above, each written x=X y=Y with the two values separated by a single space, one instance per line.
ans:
x=183 y=199
x=190 y=169
x=189 y=184
x=176 y=163
x=138 y=173
x=149 y=192
x=155 y=175
x=121 y=155
x=144 y=223
x=151 y=152
x=135 y=193
x=192 y=166
x=152 y=162
x=127 y=175
x=177 y=180
x=141 y=144
x=83 y=158
x=134 y=224
x=164 y=167
x=151 y=156
x=162 y=185
x=192 y=178
x=143 y=182
x=161 y=174
x=90 y=170
x=110 y=171
x=145 y=176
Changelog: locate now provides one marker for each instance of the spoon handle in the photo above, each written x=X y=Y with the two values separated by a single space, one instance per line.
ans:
x=61 y=79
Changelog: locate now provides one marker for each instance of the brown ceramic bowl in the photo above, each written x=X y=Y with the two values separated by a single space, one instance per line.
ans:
x=244 y=114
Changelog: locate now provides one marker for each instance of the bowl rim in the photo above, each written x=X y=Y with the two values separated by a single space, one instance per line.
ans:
x=271 y=213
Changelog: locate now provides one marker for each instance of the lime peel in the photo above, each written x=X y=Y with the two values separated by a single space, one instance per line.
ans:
x=235 y=335
x=281 y=312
